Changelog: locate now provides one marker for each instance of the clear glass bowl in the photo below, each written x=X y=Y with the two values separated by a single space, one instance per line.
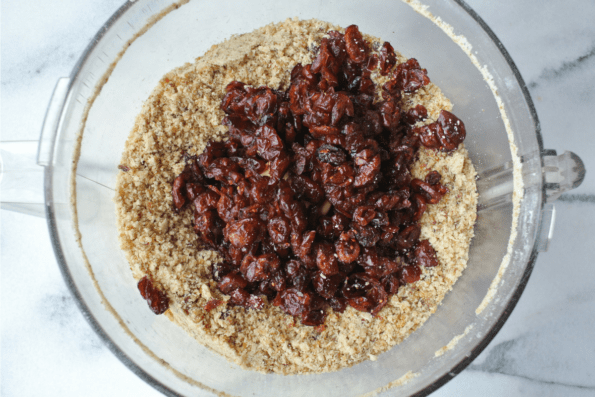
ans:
x=160 y=352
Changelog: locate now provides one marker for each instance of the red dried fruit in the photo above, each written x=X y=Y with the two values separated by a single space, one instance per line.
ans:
x=331 y=154
x=367 y=236
x=410 y=274
x=208 y=226
x=302 y=246
x=179 y=190
x=231 y=281
x=279 y=230
x=419 y=204
x=387 y=58
x=306 y=188
x=206 y=201
x=432 y=193
x=156 y=299
x=293 y=301
x=408 y=237
x=320 y=131
x=367 y=172
x=243 y=233
x=391 y=115
x=255 y=302
x=364 y=214
x=342 y=107
x=341 y=176
x=433 y=177
x=259 y=269
x=355 y=44
x=326 y=260
x=193 y=190
x=334 y=218
x=425 y=254
x=391 y=284
x=313 y=318
x=326 y=286
x=239 y=297
x=268 y=142
x=347 y=249
x=445 y=134
x=212 y=304
x=410 y=76
x=338 y=304
x=415 y=114
x=453 y=131
x=365 y=293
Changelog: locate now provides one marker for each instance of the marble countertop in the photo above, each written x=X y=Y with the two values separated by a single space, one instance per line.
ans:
x=546 y=348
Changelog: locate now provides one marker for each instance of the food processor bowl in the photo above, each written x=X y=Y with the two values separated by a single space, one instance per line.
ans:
x=92 y=112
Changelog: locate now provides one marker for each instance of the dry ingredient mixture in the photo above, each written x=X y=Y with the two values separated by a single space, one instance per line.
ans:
x=396 y=256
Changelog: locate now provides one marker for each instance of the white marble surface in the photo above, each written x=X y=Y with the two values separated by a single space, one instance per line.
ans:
x=547 y=347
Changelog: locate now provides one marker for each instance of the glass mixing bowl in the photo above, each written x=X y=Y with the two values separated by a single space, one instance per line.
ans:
x=160 y=352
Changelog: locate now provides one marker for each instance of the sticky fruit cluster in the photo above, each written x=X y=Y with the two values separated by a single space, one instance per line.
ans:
x=310 y=202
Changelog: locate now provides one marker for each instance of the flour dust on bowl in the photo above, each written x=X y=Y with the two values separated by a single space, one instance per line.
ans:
x=144 y=40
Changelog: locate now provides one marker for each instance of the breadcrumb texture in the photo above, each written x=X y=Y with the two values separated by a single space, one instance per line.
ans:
x=182 y=115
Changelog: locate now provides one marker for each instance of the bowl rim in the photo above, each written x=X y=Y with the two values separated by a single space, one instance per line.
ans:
x=145 y=376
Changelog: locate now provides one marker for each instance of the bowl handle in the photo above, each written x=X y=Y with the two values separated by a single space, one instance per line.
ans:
x=561 y=173
x=22 y=163
x=21 y=179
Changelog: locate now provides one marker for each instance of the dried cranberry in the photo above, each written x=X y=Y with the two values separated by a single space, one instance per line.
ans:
x=415 y=114
x=243 y=233
x=294 y=301
x=432 y=193
x=367 y=236
x=326 y=286
x=391 y=115
x=347 y=250
x=410 y=76
x=433 y=177
x=220 y=269
x=365 y=293
x=338 y=304
x=445 y=134
x=179 y=190
x=364 y=214
x=156 y=299
x=391 y=284
x=425 y=254
x=419 y=202
x=355 y=45
x=212 y=304
x=313 y=317
x=410 y=274
x=408 y=237
x=231 y=282
x=306 y=188
x=326 y=259
x=387 y=58
x=279 y=230
x=453 y=131
x=331 y=154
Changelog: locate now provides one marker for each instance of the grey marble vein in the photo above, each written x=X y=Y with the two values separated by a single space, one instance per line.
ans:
x=567 y=67
x=501 y=361
x=34 y=64
x=61 y=311
x=577 y=198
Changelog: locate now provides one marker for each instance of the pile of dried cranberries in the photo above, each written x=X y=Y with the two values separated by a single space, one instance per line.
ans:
x=310 y=201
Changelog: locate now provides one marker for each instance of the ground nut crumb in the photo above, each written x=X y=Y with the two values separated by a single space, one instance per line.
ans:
x=182 y=115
